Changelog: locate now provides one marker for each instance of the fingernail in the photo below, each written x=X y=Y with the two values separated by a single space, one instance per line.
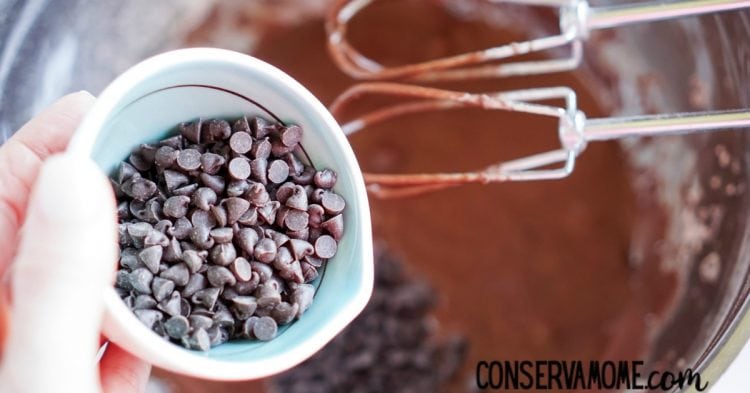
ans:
x=69 y=190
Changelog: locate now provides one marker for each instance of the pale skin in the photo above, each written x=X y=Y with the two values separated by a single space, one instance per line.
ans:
x=58 y=253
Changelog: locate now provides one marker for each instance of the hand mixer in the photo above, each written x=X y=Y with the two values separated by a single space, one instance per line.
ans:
x=577 y=18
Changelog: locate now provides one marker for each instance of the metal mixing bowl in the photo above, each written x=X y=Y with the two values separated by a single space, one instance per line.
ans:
x=698 y=183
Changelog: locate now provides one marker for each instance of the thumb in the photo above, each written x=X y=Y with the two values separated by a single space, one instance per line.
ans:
x=66 y=258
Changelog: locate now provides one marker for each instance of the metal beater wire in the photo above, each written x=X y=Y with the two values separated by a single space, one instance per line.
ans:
x=574 y=130
x=576 y=20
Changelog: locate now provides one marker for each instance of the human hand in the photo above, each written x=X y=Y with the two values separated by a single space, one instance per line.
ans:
x=57 y=252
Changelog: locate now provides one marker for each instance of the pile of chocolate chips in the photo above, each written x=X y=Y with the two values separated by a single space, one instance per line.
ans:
x=391 y=347
x=222 y=228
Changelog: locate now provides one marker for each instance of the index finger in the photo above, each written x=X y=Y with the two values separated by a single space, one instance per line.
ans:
x=21 y=157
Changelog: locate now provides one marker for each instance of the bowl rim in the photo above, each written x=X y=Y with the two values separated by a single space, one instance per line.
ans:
x=170 y=356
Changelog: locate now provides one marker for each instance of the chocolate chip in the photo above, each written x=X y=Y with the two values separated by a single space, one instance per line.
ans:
x=325 y=179
x=265 y=329
x=201 y=218
x=244 y=307
x=165 y=157
x=250 y=217
x=125 y=172
x=201 y=237
x=334 y=226
x=259 y=170
x=247 y=327
x=222 y=235
x=172 y=305
x=261 y=149
x=200 y=321
x=292 y=273
x=223 y=317
x=139 y=162
x=122 y=280
x=223 y=254
x=220 y=215
x=176 y=206
x=283 y=258
x=326 y=247
x=247 y=287
x=152 y=211
x=178 y=273
x=239 y=168
x=260 y=127
x=241 y=125
x=175 y=142
x=302 y=296
x=247 y=239
x=296 y=220
x=309 y=272
x=300 y=248
x=219 y=276
x=191 y=131
x=279 y=149
x=317 y=195
x=268 y=211
x=177 y=326
x=211 y=163
x=217 y=335
x=139 y=188
x=129 y=258
x=161 y=288
x=235 y=207
x=189 y=159
x=296 y=167
x=258 y=195
x=241 y=269
x=265 y=251
x=316 y=215
x=151 y=257
x=278 y=171
x=284 y=312
x=195 y=283
x=264 y=271
x=241 y=142
x=138 y=232
x=187 y=190
x=193 y=260
x=216 y=130
x=143 y=302
x=204 y=198
x=267 y=294
x=216 y=183
x=140 y=280
x=199 y=340
x=333 y=203
x=291 y=135
x=314 y=261
x=181 y=229
x=279 y=238
x=298 y=199
x=305 y=177
x=206 y=297
x=237 y=188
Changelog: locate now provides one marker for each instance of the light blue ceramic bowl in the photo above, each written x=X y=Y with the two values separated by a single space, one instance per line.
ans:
x=144 y=104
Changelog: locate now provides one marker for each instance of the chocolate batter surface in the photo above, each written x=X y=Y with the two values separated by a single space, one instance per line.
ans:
x=533 y=270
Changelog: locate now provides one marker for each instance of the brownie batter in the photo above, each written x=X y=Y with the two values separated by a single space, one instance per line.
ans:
x=536 y=270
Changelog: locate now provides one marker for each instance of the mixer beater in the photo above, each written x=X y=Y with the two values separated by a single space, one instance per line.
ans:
x=574 y=130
